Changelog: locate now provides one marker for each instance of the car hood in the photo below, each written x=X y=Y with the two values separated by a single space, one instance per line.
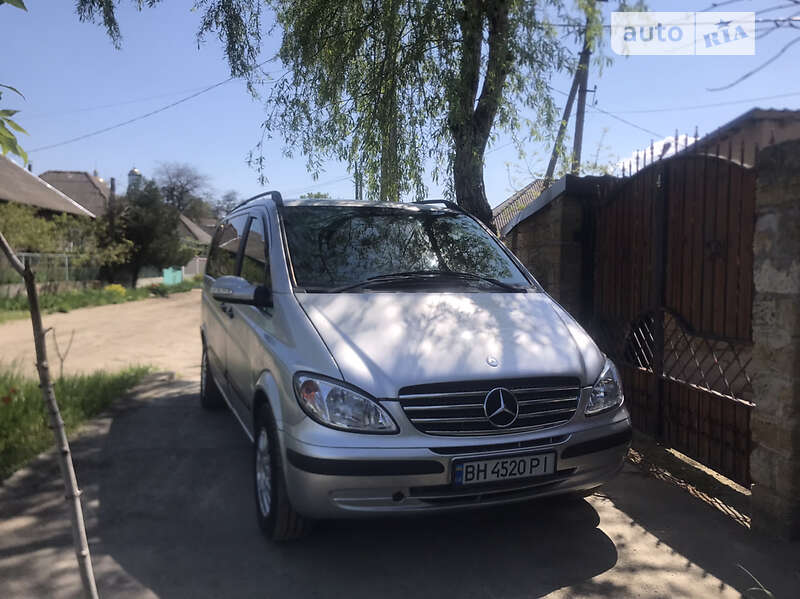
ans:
x=385 y=341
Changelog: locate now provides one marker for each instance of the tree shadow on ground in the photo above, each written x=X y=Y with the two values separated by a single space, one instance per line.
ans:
x=176 y=511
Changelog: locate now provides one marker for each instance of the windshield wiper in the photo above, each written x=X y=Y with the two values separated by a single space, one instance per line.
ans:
x=417 y=275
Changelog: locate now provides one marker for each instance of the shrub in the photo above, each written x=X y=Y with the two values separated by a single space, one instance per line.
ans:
x=115 y=289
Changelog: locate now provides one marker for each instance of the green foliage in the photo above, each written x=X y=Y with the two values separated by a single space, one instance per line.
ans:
x=316 y=195
x=27 y=232
x=92 y=240
x=24 y=426
x=71 y=300
x=65 y=301
x=17 y=3
x=390 y=85
x=151 y=224
x=85 y=239
x=236 y=23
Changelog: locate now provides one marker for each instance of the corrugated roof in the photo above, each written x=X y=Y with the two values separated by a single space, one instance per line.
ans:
x=20 y=186
x=196 y=230
x=89 y=191
x=507 y=210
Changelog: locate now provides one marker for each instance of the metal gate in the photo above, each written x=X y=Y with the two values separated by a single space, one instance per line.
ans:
x=672 y=302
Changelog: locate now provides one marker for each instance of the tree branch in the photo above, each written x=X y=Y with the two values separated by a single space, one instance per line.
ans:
x=762 y=66
x=11 y=256
x=496 y=70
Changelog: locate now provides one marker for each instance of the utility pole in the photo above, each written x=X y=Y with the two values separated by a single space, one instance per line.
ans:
x=562 y=129
x=582 y=75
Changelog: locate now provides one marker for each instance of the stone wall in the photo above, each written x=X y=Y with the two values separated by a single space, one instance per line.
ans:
x=549 y=245
x=775 y=369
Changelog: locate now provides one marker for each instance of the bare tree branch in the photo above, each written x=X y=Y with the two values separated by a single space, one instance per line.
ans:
x=73 y=493
x=758 y=68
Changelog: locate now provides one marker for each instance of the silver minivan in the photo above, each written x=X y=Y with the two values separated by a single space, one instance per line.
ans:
x=394 y=359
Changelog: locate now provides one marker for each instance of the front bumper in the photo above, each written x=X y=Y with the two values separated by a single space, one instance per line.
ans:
x=328 y=482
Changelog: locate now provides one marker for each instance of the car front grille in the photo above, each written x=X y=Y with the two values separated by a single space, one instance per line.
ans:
x=457 y=408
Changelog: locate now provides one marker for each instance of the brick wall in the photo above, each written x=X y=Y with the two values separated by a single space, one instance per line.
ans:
x=549 y=245
x=775 y=369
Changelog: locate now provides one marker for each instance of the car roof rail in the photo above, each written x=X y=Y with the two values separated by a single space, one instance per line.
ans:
x=447 y=203
x=275 y=196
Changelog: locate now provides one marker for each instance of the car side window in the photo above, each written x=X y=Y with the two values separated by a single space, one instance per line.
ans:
x=255 y=264
x=225 y=247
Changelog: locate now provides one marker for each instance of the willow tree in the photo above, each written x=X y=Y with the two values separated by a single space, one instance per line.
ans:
x=393 y=86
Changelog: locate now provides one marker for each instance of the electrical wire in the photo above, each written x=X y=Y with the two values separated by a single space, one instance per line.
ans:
x=701 y=106
x=141 y=116
x=614 y=116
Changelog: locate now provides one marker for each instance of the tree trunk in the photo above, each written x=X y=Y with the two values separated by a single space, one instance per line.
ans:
x=471 y=121
x=72 y=494
x=468 y=183
x=135 y=275
x=390 y=175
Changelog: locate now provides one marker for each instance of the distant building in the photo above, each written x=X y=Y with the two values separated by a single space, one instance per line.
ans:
x=504 y=212
x=90 y=191
x=22 y=187
x=135 y=178
x=191 y=231
x=756 y=129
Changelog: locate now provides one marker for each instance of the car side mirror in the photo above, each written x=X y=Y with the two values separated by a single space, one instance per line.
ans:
x=236 y=290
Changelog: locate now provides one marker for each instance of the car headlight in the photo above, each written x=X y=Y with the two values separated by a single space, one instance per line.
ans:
x=606 y=392
x=341 y=407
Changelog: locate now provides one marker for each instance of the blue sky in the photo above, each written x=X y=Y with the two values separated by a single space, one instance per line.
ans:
x=75 y=82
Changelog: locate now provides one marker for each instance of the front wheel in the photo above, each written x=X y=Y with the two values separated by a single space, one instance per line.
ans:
x=276 y=517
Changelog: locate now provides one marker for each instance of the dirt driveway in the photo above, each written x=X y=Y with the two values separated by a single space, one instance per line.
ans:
x=162 y=332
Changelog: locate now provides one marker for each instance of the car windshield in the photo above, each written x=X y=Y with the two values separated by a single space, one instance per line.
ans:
x=338 y=247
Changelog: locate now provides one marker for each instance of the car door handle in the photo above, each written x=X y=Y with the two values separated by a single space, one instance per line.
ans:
x=227 y=310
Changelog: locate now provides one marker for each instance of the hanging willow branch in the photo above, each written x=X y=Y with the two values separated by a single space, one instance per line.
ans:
x=72 y=494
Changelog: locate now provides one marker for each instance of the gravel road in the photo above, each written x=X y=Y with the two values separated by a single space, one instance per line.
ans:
x=162 y=332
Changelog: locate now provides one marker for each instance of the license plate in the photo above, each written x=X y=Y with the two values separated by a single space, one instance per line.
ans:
x=507 y=468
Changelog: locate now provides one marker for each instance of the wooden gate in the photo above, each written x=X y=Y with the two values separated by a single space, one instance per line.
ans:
x=672 y=303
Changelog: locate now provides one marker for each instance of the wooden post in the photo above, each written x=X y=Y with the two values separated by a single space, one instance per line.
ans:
x=562 y=128
x=72 y=494
x=658 y=281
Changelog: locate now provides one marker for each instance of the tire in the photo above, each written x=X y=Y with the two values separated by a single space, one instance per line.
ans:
x=276 y=517
x=210 y=395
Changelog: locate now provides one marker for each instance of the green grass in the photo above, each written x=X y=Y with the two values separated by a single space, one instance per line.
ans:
x=24 y=430
x=12 y=307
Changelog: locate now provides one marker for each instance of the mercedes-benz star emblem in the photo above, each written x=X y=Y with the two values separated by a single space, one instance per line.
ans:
x=501 y=407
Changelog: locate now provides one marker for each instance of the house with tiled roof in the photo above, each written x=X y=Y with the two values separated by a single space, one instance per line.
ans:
x=90 y=191
x=504 y=212
x=20 y=186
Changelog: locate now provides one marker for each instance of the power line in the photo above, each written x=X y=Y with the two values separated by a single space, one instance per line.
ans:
x=719 y=4
x=41 y=115
x=616 y=117
x=701 y=106
x=141 y=116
